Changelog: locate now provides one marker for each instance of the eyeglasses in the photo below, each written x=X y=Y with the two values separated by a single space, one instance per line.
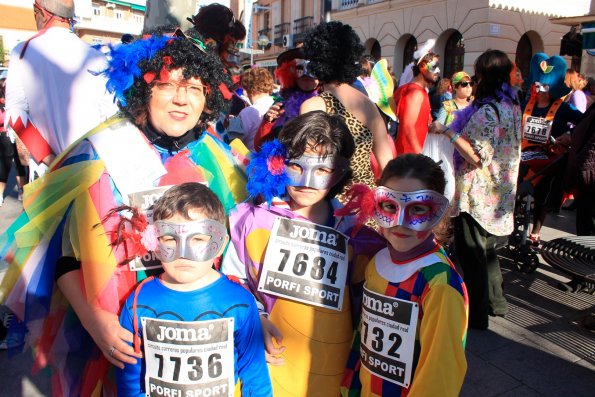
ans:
x=466 y=83
x=170 y=88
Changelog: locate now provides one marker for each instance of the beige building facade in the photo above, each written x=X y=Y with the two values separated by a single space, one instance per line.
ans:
x=392 y=29
x=463 y=29
x=105 y=21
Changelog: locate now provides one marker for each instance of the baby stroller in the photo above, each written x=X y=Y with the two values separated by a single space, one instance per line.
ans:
x=534 y=166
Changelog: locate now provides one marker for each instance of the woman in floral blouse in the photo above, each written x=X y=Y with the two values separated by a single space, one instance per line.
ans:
x=487 y=137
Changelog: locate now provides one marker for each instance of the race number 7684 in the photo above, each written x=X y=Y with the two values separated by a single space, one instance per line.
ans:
x=317 y=265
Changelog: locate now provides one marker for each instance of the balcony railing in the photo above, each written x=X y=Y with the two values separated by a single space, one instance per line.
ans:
x=105 y=24
x=300 y=27
x=345 y=4
x=280 y=30
x=265 y=32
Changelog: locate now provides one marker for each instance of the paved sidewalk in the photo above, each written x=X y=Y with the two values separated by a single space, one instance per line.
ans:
x=538 y=349
x=15 y=372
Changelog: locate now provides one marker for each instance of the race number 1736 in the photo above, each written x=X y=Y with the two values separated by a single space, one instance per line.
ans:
x=193 y=366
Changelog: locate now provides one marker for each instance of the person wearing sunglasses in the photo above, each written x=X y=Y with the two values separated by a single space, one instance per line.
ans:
x=463 y=86
x=438 y=146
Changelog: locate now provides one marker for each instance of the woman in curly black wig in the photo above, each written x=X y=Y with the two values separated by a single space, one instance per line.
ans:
x=179 y=54
x=334 y=51
x=167 y=88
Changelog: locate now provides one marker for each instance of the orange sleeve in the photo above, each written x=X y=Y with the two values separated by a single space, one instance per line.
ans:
x=442 y=363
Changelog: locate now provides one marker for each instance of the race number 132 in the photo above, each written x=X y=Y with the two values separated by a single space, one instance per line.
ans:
x=377 y=339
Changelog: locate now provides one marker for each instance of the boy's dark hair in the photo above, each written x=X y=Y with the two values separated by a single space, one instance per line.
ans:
x=416 y=68
x=182 y=198
x=334 y=51
x=415 y=166
x=320 y=129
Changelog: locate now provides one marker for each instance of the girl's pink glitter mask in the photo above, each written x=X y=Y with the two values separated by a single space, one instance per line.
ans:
x=419 y=210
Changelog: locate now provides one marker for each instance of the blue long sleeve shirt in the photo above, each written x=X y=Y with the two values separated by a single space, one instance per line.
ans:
x=221 y=299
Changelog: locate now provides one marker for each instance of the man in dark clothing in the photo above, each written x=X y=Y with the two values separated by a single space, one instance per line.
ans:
x=580 y=173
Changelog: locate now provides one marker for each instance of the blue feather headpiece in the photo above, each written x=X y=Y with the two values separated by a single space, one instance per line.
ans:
x=123 y=67
x=549 y=71
x=267 y=176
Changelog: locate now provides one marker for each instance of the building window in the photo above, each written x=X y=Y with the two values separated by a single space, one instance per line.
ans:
x=96 y=10
x=408 y=51
x=524 y=52
x=119 y=15
x=267 y=20
x=454 y=54
x=375 y=50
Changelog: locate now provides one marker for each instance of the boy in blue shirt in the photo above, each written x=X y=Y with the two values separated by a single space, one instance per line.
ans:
x=201 y=332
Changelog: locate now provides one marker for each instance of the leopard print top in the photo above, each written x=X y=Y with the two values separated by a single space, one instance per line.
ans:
x=360 y=162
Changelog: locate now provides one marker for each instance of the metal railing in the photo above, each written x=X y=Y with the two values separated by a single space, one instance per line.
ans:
x=264 y=31
x=346 y=4
x=300 y=27
x=280 y=30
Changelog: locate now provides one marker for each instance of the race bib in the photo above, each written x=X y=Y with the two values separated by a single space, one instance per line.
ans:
x=305 y=262
x=188 y=359
x=388 y=336
x=144 y=201
x=537 y=129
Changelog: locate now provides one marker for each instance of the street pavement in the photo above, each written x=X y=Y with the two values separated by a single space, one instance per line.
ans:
x=538 y=349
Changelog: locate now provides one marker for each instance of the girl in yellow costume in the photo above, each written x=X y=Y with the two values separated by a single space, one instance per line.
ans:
x=411 y=337
x=167 y=88
x=298 y=176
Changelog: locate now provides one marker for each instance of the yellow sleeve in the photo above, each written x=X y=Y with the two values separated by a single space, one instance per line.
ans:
x=442 y=364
